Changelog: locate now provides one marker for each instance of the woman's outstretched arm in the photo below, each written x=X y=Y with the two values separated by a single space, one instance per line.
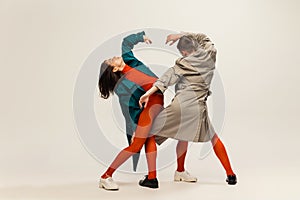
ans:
x=127 y=46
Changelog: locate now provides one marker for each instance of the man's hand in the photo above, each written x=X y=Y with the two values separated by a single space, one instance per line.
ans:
x=144 y=99
x=147 y=40
x=132 y=138
x=173 y=38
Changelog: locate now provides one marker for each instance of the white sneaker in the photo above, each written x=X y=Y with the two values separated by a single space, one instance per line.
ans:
x=184 y=176
x=108 y=184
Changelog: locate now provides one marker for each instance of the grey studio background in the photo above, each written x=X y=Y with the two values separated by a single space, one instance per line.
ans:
x=44 y=43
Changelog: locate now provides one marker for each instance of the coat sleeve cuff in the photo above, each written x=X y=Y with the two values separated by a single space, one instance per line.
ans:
x=160 y=86
x=140 y=36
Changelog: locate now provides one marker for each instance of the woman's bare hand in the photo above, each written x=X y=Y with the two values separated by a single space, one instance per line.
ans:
x=147 y=40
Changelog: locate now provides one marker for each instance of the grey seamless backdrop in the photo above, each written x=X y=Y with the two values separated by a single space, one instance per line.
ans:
x=44 y=44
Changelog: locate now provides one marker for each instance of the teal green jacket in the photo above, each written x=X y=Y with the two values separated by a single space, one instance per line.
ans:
x=129 y=92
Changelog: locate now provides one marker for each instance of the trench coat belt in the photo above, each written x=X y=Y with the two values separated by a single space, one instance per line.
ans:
x=207 y=94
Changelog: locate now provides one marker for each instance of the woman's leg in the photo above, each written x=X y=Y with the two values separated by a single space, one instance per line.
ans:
x=133 y=148
x=151 y=154
x=221 y=153
x=144 y=125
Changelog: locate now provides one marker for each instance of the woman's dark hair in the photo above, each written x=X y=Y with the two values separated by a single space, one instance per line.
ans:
x=107 y=80
x=186 y=44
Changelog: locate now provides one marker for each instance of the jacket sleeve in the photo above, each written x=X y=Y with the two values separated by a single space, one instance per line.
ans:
x=127 y=46
x=204 y=42
x=170 y=77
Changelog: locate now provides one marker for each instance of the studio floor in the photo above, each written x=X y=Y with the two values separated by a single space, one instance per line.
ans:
x=263 y=186
x=262 y=175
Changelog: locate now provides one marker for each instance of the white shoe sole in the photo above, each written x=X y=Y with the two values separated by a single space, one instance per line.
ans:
x=182 y=180
x=109 y=189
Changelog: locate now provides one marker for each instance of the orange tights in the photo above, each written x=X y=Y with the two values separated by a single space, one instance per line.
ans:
x=219 y=150
x=155 y=105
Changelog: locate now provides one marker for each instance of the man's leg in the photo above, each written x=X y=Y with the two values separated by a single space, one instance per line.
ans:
x=221 y=153
x=181 y=174
x=181 y=150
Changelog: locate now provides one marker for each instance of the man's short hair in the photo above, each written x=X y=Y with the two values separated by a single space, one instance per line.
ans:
x=186 y=44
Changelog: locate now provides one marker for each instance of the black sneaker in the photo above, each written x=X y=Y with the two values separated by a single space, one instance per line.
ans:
x=151 y=183
x=231 y=179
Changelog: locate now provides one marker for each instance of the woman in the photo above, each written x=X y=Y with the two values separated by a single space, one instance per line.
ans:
x=186 y=118
x=129 y=78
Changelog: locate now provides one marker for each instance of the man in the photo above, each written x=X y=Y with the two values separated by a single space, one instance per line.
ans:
x=186 y=118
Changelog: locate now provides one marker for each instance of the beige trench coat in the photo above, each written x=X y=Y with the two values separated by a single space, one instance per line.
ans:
x=186 y=118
